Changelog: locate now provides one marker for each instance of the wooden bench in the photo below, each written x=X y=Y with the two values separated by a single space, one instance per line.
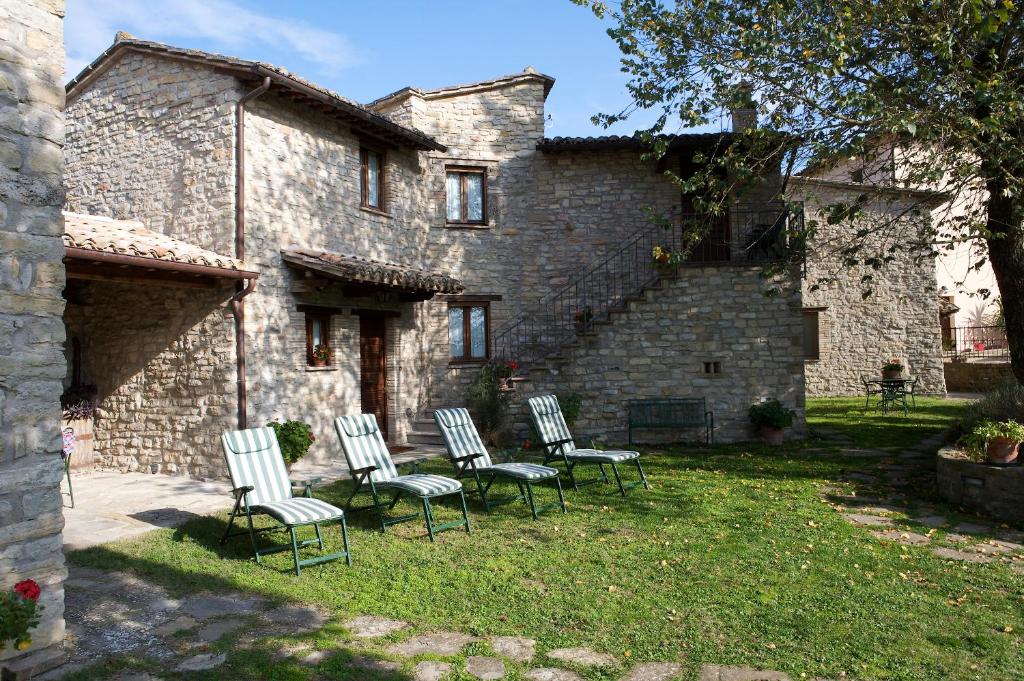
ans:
x=672 y=412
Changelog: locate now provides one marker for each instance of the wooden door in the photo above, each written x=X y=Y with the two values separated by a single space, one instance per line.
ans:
x=373 y=369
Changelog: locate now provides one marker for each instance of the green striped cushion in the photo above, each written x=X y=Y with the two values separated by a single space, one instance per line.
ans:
x=254 y=459
x=549 y=422
x=364 y=445
x=460 y=435
x=301 y=510
x=423 y=484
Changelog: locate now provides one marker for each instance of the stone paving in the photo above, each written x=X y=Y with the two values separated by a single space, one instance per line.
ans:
x=111 y=505
x=113 y=617
x=879 y=500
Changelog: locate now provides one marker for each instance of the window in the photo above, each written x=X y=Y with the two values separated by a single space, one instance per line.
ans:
x=466 y=194
x=318 y=333
x=812 y=342
x=468 y=327
x=372 y=178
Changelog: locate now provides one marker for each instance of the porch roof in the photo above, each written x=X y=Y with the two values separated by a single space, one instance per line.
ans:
x=101 y=247
x=372 y=273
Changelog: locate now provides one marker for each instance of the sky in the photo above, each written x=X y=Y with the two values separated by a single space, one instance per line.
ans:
x=366 y=49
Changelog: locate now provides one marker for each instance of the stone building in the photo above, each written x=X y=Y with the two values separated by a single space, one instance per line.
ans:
x=848 y=336
x=417 y=236
x=31 y=331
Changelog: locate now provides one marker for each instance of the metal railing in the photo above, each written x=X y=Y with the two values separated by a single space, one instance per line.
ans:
x=975 y=344
x=764 y=234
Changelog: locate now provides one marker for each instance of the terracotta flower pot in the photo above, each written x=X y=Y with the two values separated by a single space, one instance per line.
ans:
x=892 y=373
x=1001 y=450
x=317 y=362
x=771 y=436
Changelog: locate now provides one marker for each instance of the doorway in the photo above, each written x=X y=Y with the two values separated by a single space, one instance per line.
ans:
x=373 y=377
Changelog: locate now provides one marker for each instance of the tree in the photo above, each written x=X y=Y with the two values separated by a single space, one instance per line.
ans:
x=941 y=80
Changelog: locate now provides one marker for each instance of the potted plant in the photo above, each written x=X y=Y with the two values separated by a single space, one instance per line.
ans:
x=321 y=355
x=294 y=438
x=19 y=612
x=893 y=368
x=583 y=318
x=665 y=259
x=79 y=411
x=504 y=371
x=997 y=441
x=770 y=418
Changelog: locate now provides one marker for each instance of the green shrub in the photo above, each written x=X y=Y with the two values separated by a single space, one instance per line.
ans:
x=294 y=437
x=571 y=403
x=771 y=414
x=489 y=404
x=976 y=441
x=1005 y=403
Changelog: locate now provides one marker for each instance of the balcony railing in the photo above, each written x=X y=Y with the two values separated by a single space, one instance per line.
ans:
x=975 y=344
x=765 y=233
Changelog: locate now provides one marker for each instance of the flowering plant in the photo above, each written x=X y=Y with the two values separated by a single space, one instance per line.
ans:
x=663 y=256
x=19 y=612
x=584 y=316
x=294 y=438
x=322 y=353
x=893 y=364
x=506 y=368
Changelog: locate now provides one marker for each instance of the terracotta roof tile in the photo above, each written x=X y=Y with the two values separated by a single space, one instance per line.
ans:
x=129 y=237
x=364 y=270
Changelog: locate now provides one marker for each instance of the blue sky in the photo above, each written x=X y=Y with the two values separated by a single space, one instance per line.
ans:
x=367 y=49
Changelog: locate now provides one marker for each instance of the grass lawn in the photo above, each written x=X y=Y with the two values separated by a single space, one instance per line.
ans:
x=870 y=428
x=731 y=558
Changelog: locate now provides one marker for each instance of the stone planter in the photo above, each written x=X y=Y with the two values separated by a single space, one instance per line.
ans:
x=892 y=373
x=771 y=436
x=1001 y=451
x=994 y=491
x=83 y=456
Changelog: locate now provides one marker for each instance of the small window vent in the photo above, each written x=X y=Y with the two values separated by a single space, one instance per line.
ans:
x=712 y=368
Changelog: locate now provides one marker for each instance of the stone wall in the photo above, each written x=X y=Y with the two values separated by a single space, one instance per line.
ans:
x=31 y=332
x=658 y=348
x=995 y=491
x=899 y=319
x=975 y=377
x=163 y=360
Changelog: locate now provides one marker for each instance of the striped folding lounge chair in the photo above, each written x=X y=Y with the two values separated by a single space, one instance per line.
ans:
x=261 y=486
x=372 y=470
x=558 y=444
x=467 y=453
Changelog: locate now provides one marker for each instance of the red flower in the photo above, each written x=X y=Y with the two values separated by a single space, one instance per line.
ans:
x=28 y=590
x=526 y=445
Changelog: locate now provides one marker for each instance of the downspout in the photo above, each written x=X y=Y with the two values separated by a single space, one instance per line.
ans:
x=242 y=289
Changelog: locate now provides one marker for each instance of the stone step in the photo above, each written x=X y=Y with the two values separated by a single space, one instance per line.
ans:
x=425 y=437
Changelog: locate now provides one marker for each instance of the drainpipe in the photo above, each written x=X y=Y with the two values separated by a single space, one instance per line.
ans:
x=242 y=289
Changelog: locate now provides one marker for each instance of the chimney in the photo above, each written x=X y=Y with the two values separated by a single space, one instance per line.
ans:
x=744 y=109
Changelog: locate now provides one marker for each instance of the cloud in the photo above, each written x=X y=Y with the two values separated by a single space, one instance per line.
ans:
x=218 y=25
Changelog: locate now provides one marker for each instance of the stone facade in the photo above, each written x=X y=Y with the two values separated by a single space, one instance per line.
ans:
x=31 y=332
x=975 y=377
x=995 y=491
x=900 y=318
x=548 y=217
x=659 y=347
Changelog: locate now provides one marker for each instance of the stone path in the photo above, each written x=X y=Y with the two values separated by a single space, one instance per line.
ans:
x=879 y=497
x=117 y=616
x=111 y=505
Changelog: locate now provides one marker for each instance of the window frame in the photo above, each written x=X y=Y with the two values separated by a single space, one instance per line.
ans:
x=467 y=338
x=462 y=172
x=808 y=313
x=324 y=317
x=364 y=180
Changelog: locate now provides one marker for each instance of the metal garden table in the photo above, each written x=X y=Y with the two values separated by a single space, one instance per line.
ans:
x=893 y=393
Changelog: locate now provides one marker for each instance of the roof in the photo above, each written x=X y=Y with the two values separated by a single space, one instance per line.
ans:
x=527 y=74
x=352 y=268
x=925 y=195
x=128 y=242
x=635 y=142
x=354 y=113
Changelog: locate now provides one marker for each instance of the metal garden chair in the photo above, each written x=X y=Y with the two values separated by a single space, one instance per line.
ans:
x=871 y=388
x=558 y=444
x=261 y=486
x=373 y=470
x=468 y=454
